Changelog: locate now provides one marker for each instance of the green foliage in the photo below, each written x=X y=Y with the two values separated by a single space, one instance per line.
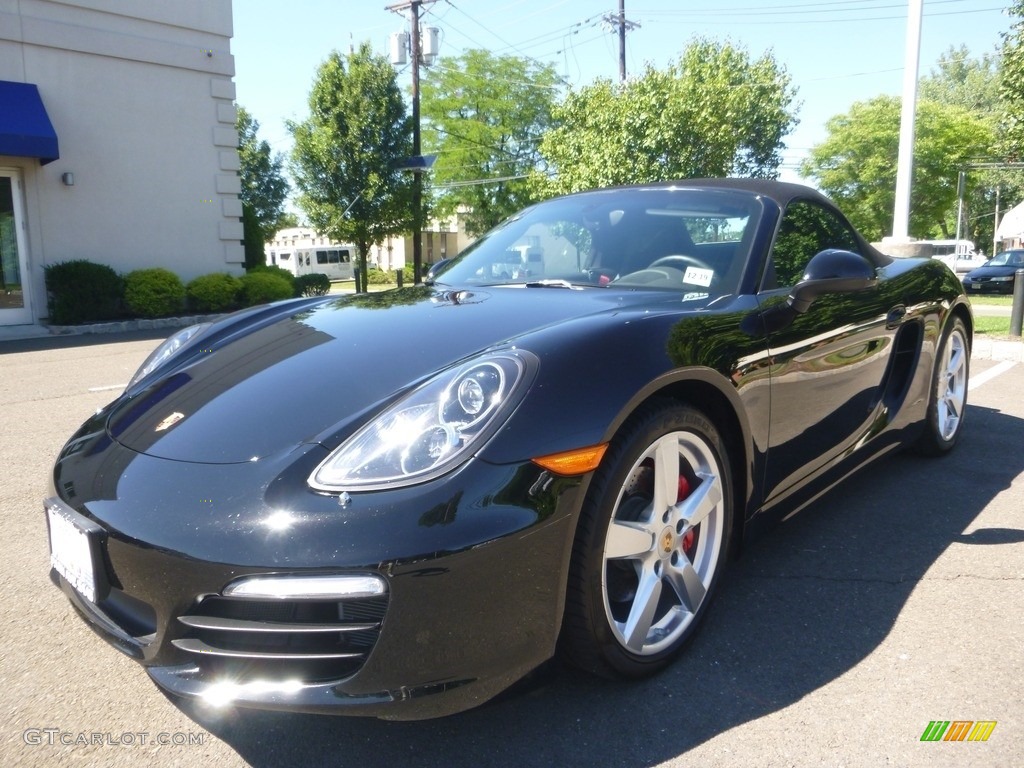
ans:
x=485 y=116
x=217 y=292
x=1011 y=88
x=973 y=84
x=260 y=287
x=388 y=277
x=713 y=113
x=349 y=152
x=961 y=81
x=254 y=238
x=264 y=187
x=856 y=164
x=315 y=284
x=379 y=277
x=280 y=272
x=155 y=292
x=286 y=221
x=81 y=292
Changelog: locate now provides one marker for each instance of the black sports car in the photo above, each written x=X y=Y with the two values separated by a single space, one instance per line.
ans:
x=997 y=274
x=398 y=504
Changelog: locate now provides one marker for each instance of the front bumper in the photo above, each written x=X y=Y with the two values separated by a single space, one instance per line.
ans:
x=989 y=286
x=474 y=565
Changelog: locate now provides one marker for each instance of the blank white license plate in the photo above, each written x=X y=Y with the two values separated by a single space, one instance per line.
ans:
x=71 y=552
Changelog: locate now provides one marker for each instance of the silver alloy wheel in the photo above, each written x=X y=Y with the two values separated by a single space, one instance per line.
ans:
x=952 y=385
x=661 y=552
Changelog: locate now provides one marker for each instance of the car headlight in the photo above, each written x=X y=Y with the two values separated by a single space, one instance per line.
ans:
x=432 y=429
x=168 y=349
x=1004 y=279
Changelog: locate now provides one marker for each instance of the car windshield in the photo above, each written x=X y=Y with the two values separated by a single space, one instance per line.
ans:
x=1007 y=259
x=694 y=241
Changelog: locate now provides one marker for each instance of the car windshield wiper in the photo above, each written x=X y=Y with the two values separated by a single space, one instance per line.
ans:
x=552 y=284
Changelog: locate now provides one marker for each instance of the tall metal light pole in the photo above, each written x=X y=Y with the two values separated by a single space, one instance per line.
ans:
x=905 y=161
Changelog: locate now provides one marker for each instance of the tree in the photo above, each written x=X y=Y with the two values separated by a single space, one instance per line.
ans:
x=856 y=164
x=962 y=81
x=254 y=238
x=349 y=152
x=713 y=113
x=485 y=116
x=264 y=187
x=974 y=84
x=1011 y=87
x=288 y=220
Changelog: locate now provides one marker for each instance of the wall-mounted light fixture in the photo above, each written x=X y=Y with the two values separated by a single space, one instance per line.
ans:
x=68 y=179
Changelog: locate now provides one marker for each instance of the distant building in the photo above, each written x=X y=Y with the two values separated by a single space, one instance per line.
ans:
x=1010 y=232
x=117 y=141
x=442 y=239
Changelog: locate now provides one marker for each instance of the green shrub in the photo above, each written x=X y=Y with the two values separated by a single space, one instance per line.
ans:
x=260 y=287
x=388 y=277
x=155 y=292
x=280 y=272
x=80 y=292
x=376 y=276
x=217 y=292
x=315 y=284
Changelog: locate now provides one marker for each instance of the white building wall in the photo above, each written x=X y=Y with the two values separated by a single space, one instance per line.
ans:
x=141 y=99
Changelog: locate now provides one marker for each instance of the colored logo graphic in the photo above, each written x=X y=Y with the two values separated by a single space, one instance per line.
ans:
x=958 y=730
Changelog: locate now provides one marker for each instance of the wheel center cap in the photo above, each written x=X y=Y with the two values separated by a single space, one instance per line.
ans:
x=666 y=541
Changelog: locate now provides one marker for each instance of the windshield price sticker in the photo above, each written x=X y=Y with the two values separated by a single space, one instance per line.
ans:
x=697 y=276
x=71 y=553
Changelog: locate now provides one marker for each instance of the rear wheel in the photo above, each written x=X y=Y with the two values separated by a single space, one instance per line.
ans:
x=651 y=544
x=949 y=392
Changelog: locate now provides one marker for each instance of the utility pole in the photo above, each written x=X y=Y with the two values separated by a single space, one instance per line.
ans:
x=413 y=6
x=905 y=159
x=619 y=23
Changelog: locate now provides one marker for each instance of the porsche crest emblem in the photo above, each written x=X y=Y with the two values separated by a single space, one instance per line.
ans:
x=169 y=421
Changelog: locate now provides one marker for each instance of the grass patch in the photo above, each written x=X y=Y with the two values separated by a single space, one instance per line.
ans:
x=992 y=326
x=992 y=301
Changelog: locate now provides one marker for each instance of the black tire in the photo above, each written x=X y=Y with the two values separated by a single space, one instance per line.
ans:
x=641 y=579
x=948 y=402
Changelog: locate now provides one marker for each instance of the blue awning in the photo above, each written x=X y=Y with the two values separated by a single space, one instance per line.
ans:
x=25 y=128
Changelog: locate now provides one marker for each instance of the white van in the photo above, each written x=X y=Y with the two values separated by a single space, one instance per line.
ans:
x=958 y=255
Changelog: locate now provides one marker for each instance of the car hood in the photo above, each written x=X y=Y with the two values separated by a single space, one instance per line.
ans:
x=993 y=271
x=316 y=374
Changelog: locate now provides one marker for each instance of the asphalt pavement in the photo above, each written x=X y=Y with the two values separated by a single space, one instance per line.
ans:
x=836 y=640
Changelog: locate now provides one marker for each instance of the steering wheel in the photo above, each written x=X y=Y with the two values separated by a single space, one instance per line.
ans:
x=679 y=261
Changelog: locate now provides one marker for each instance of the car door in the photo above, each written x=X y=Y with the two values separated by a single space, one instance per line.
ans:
x=828 y=365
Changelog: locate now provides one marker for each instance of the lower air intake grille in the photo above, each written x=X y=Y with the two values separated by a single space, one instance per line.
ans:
x=311 y=640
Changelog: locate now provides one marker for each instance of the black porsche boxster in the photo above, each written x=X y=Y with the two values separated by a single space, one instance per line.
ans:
x=399 y=504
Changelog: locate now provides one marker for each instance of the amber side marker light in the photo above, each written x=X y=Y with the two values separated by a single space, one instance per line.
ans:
x=574 y=462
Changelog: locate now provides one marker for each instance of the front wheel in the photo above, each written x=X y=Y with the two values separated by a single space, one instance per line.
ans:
x=651 y=544
x=948 y=393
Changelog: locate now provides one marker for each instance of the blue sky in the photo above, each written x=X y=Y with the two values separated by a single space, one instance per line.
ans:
x=837 y=51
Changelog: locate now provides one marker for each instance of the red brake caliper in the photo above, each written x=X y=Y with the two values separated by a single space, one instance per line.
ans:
x=686 y=543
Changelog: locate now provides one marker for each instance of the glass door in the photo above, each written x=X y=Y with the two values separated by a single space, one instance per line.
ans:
x=14 y=304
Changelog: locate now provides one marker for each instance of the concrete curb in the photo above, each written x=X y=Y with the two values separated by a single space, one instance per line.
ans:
x=997 y=349
x=16 y=332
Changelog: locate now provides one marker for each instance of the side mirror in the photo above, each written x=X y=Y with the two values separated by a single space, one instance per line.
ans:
x=435 y=269
x=832 y=271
